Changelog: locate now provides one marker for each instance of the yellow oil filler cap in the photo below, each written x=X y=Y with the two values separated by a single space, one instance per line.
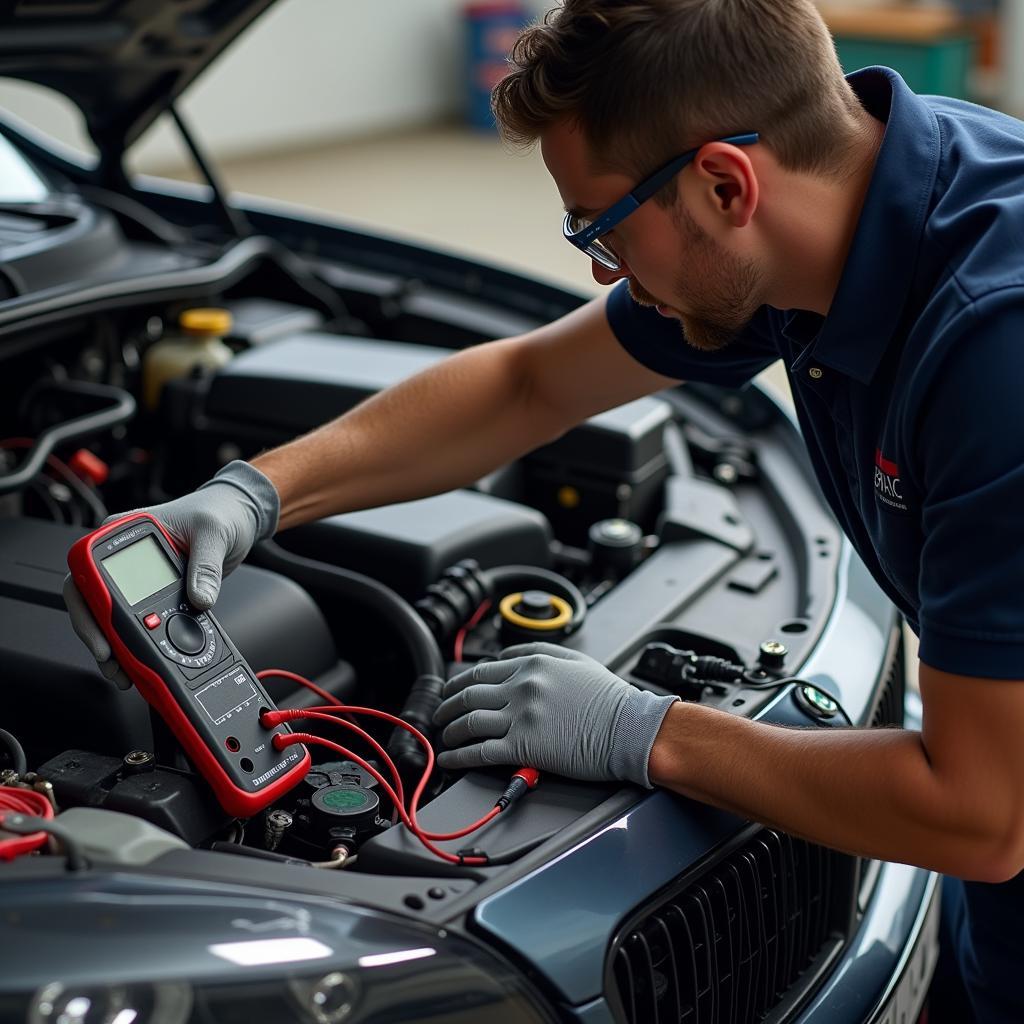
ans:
x=204 y=321
x=536 y=611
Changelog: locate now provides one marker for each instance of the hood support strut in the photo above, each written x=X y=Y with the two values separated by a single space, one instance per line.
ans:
x=235 y=218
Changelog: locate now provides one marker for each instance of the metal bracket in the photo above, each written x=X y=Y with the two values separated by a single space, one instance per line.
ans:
x=699 y=508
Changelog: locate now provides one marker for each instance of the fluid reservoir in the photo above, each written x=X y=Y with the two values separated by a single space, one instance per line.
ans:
x=197 y=345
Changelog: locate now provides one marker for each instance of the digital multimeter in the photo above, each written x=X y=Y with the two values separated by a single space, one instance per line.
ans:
x=183 y=663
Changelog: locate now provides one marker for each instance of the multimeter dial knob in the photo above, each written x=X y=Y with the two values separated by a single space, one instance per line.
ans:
x=187 y=635
x=190 y=640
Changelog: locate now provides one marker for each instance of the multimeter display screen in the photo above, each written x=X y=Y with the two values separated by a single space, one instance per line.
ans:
x=140 y=570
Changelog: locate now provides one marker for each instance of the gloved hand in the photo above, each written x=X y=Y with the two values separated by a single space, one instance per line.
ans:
x=217 y=525
x=546 y=707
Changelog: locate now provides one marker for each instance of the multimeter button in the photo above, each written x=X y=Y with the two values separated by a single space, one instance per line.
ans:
x=151 y=621
x=186 y=634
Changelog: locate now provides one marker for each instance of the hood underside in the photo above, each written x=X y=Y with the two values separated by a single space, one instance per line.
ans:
x=122 y=62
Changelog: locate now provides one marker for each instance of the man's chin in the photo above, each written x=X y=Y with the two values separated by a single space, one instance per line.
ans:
x=707 y=336
x=641 y=297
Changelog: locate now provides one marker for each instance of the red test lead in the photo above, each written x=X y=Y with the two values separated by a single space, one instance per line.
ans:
x=522 y=782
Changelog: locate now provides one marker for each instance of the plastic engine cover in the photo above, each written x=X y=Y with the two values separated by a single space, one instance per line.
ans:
x=408 y=546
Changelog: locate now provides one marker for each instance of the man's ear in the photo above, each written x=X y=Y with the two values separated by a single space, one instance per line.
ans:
x=729 y=181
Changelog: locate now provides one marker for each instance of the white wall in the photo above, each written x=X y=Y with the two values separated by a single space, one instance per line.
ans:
x=306 y=70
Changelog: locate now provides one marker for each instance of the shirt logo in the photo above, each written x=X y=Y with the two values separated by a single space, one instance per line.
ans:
x=888 y=486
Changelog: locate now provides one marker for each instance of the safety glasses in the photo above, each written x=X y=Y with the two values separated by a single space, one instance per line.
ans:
x=586 y=233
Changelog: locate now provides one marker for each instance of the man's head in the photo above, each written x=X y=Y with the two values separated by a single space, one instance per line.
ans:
x=615 y=89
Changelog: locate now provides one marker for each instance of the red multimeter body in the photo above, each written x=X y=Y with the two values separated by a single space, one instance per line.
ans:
x=183 y=663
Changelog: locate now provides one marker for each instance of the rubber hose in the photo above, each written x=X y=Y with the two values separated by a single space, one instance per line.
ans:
x=424 y=696
x=423 y=648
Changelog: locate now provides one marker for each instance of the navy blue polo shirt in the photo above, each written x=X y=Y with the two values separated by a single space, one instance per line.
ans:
x=910 y=392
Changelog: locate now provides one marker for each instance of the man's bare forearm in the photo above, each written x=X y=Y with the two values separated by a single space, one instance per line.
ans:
x=873 y=793
x=443 y=428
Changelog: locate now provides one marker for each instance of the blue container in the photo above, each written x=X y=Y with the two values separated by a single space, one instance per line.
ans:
x=491 y=29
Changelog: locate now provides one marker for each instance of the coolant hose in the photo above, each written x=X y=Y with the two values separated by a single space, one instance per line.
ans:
x=419 y=641
x=117 y=407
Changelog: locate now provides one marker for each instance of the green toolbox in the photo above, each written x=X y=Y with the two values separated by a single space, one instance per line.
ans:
x=931 y=48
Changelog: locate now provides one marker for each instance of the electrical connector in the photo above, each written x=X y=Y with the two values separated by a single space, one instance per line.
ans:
x=522 y=782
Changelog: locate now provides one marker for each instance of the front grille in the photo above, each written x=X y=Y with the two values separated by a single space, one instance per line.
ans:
x=732 y=944
x=888 y=710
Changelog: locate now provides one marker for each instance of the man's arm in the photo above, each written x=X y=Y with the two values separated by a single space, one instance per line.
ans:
x=950 y=797
x=456 y=421
x=443 y=428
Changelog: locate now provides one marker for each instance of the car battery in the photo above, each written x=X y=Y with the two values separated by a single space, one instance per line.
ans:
x=612 y=466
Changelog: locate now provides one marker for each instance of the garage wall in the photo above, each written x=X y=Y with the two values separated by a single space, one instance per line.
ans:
x=307 y=70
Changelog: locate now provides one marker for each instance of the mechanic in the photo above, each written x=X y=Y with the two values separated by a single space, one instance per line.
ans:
x=871 y=239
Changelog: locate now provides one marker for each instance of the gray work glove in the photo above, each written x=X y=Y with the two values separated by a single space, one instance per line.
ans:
x=217 y=525
x=546 y=707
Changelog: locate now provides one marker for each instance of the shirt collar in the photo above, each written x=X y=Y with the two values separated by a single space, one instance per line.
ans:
x=881 y=264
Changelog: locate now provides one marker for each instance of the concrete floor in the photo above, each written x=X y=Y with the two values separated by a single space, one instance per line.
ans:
x=453 y=188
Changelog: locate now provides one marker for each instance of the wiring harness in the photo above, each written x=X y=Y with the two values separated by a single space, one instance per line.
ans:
x=16 y=804
x=343 y=715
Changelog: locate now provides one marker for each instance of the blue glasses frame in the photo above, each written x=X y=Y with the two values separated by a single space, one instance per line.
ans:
x=587 y=239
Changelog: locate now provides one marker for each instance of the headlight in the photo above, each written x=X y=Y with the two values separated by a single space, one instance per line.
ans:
x=457 y=983
x=446 y=990
x=332 y=999
x=127 y=950
x=162 y=1003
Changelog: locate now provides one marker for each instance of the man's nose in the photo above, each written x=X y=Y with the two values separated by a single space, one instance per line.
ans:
x=602 y=275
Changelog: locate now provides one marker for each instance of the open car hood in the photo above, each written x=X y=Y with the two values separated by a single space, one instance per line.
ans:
x=122 y=62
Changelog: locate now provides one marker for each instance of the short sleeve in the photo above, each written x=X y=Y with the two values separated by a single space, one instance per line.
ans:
x=970 y=444
x=658 y=343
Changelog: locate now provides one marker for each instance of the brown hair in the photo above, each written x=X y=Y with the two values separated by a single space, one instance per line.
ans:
x=646 y=79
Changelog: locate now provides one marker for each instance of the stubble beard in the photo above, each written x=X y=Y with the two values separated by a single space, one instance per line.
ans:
x=728 y=291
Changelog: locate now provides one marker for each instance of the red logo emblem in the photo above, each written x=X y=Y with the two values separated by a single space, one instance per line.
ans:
x=888 y=486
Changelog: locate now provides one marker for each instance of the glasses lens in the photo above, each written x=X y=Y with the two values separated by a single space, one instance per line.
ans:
x=574 y=224
x=598 y=249
x=602 y=252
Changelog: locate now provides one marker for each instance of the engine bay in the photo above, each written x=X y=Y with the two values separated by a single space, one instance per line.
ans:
x=678 y=540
